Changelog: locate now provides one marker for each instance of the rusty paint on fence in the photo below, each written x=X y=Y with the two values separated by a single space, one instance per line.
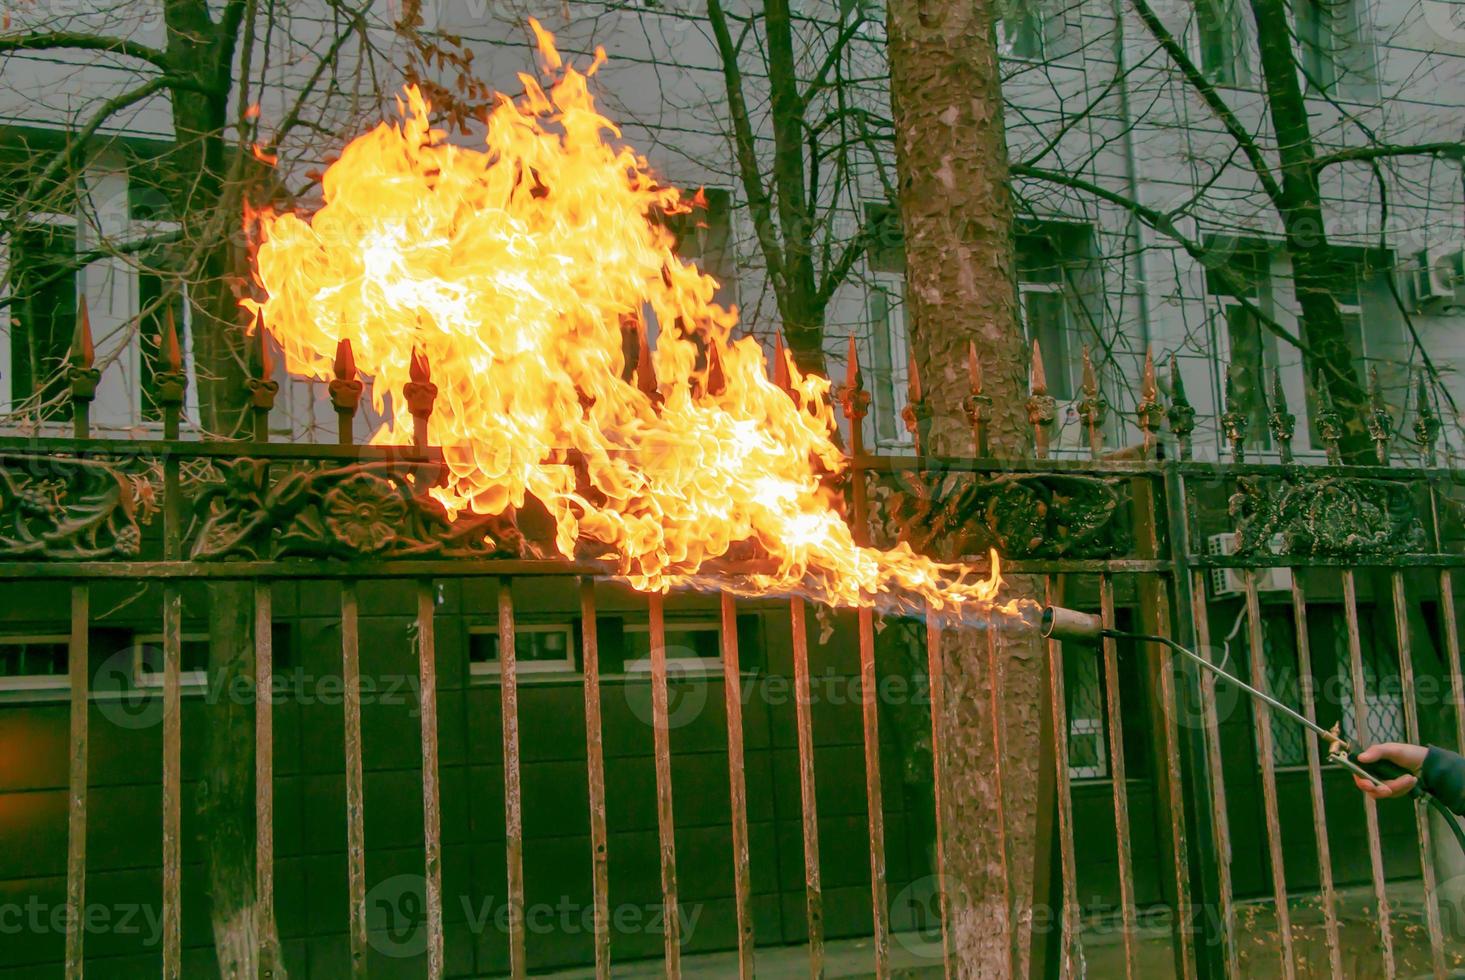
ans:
x=874 y=798
x=264 y=773
x=1220 y=823
x=1004 y=853
x=355 y=796
x=1262 y=716
x=1073 y=957
x=1407 y=692
x=808 y=805
x=1361 y=735
x=595 y=771
x=1315 y=780
x=78 y=669
x=172 y=783
x=1118 y=778
x=737 y=788
x=432 y=845
x=513 y=789
x=665 y=820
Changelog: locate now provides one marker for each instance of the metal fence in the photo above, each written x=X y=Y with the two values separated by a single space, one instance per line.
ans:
x=1124 y=536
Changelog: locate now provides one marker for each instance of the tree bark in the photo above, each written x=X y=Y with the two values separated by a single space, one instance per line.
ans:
x=956 y=213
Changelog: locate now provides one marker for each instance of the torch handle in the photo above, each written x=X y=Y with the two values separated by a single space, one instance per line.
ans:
x=1381 y=769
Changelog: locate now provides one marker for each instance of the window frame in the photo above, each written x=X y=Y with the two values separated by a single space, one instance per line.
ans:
x=20 y=686
x=570 y=666
x=1238 y=72
x=641 y=666
x=891 y=284
x=144 y=680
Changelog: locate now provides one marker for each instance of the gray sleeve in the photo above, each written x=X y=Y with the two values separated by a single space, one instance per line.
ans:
x=1443 y=775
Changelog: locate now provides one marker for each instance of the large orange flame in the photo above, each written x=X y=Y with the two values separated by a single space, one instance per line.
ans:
x=514 y=269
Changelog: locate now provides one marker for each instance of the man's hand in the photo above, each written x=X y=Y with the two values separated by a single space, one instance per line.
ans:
x=1402 y=753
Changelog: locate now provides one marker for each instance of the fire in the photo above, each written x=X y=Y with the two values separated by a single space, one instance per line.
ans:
x=517 y=270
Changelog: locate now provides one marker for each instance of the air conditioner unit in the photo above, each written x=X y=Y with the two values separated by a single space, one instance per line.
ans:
x=1439 y=274
x=1230 y=581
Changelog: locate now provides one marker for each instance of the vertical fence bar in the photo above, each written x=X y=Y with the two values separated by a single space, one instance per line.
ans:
x=665 y=819
x=936 y=667
x=1315 y=778
x=172 y=782
x=595 y=766
x=264 y=770
x=1262 y=716
x=1220 y=822
x=1449 y=625
x=870 y=710
x=1117 y=774
x=1421 y=813
x=742 y=862
x=1073 y=956
x=432 y=847
x=513 y=790
x=808 y=805
x=1360 y=735
x=77 y=669
x=171 y=382
x=355 y=795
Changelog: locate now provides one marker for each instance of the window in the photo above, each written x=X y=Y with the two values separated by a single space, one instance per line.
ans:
x=1054 y=279
x=1036 y=30
x=543 y=648
x=1088 y=745
x=1279 y=649
x=1218 y=41
x=34 y=663
x=889 y=352
x=43 y=314
x=1336 y=47
x=691 y=646
x=1043 y=308
x=193 y=660
x=1242 y=286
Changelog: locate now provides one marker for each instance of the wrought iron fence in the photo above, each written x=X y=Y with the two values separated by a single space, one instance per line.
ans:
x=1123 y=536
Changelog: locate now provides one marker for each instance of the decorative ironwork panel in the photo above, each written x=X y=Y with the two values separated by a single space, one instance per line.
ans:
x=1326 y=515
x=1022 y=515
x=364 y=510
x=63 y=507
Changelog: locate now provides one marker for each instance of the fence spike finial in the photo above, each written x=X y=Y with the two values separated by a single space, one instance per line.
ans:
x=170 y=351
x=83 y=351
x=1380 y=419
x=1181 y=413
x=853 y=396
x=1329 y=420
x=262 y=387
x=1148 y=413
x=1042 y=408
x=1282 y=422
x=977 y=401
x=1426 y=423
x=1234 y=420
x=345 y=389
x=715 y=378
x=420 y=393
x=1092 y=408
x=81 y=373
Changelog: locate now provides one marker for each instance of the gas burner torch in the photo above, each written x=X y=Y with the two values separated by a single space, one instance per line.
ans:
x=1059 y=623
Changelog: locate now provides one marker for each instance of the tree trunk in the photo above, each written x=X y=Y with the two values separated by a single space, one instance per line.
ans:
x=1315 y=271
x=956 y=213
x=209 y=205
